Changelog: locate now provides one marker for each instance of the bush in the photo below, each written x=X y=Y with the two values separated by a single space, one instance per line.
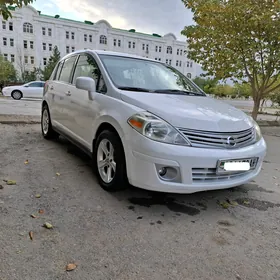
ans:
x=233 y=96
x=275 y=98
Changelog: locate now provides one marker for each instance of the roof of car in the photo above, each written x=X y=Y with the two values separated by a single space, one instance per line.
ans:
x=100 y=52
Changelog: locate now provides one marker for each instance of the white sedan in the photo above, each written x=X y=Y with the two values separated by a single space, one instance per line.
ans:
x=33 y=89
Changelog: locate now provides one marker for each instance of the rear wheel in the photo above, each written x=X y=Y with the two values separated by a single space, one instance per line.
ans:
x=109 y=162
x=16 y=94
x=46 y=124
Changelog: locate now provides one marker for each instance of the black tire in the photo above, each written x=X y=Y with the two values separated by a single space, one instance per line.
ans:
x=119 y=181
x=48 y=133
x=16 y=94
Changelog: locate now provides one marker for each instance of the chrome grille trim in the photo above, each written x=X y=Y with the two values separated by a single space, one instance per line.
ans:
x=201 y=175
x=209 y=139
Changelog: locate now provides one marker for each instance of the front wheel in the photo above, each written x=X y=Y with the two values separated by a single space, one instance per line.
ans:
x=46 y=125
x=110 y=163
x=17 y=95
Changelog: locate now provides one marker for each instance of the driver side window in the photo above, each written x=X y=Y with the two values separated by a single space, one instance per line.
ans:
x=87 y=67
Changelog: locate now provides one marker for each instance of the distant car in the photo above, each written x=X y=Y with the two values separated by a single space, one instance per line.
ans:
x=32 y=89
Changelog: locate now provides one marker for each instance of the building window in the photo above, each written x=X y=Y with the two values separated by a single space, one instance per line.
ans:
x=31 y=44
x=169 y=50
x=181 y=52
x=133 y=45
x=12 y=42
x=44 y=31
x=6 y=56
x=73 y=35
x=27 y=27
x=166 y=61
x=4 y=41
x=73 y=49
x=25 y=44
x=189 y=75
x=12 y=58
x=180 y=64
x=115 y=42
x=147 y=48
x=26 y=59
x=177 y=61
x=178 y=51
x=44 y=61
x=159 y=49
x=156 y=48
x=129 y=45
x=67 y=34
x=44 y=46
x=119 y=43
x=143 y=47
x=103 y=40
x=3 y=24
x=170 y=61
x=90 y=38
x=85 y=37
x=159 y=59
x=32 y=59
x=50 y=47
x=156 y=58
x=67 y=49
x=11 y=27
x=49 y=31
x=191 y=64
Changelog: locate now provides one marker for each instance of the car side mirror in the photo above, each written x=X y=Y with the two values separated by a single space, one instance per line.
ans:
x=88 y=84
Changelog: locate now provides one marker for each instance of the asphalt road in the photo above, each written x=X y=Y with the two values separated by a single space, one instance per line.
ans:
x=133 y=234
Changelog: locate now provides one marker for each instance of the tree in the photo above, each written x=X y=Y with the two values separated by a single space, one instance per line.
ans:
x=4 y=6
x=53 y=60
x=237 y=39
x=29 y=76
x=242 y=90
x=207 y=85
x=7 y=71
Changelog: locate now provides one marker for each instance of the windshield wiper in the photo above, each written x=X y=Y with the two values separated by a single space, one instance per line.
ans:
x=178 y=91
x=135 y=89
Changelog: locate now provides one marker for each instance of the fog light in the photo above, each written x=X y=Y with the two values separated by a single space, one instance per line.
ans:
x=162 y=171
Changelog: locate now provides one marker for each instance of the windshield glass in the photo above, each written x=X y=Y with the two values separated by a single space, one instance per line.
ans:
x=144 y=75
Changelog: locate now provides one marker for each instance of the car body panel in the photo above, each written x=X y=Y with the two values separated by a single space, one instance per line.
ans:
x=27 y=90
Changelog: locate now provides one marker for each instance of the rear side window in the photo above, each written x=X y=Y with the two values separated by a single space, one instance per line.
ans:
x=58 y=71
x=66 y=71
x=87 y=67
x=36 y=84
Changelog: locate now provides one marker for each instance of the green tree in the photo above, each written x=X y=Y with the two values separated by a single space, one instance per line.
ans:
x=237 y=39
x=206 y=84
x=4 y=6
x=29 y=76
x=7 y=71
x=223 y=90
x=54 y=58
x=242 y=90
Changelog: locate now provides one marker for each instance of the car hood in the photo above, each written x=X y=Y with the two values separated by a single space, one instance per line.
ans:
x=191 y=112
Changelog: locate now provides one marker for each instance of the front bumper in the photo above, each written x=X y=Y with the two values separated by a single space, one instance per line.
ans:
x=144 y=155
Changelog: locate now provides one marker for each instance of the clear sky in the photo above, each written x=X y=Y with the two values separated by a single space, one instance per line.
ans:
x=148 y=16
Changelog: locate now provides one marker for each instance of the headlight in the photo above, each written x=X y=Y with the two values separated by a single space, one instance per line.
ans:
x=156 y=129
x=258 y=133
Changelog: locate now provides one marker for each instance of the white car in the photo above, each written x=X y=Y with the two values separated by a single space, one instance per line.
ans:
x=146 y=124
x=33 y=89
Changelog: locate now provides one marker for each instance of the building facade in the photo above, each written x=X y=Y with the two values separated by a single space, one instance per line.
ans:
x=28 y=38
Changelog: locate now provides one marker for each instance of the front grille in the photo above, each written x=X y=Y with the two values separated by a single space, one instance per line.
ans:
x=201 y=175
x=228 y=140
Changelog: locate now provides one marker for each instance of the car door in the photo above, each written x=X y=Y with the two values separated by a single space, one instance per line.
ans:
x=61 y=91
x=33 y=90
x=84 y=110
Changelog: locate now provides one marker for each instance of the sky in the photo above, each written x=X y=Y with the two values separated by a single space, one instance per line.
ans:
x=148 y=16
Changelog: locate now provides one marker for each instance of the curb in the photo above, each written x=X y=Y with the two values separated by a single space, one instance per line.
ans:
x=19 y=119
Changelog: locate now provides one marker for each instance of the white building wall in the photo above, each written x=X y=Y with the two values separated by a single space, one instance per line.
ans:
x=59 y=27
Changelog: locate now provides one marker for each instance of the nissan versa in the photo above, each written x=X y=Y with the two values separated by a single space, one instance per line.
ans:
x=146 y=124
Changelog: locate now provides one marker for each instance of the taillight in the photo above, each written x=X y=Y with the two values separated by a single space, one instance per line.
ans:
x=46 y=86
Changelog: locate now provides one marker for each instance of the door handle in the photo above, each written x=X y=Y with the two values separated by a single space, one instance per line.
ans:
x=68 y=93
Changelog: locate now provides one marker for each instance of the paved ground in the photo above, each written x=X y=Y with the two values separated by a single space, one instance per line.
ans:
x=133 y=234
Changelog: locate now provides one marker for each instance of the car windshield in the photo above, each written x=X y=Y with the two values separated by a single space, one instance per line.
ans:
x=147 y=76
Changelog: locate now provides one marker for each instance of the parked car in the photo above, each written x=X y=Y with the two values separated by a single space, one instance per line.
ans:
x=33 y=89
x=146 y=124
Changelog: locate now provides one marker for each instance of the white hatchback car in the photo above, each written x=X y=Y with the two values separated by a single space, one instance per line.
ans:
x=33 y=89
x=146 y=124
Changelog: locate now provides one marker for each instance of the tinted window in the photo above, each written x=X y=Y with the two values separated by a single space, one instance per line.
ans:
x=65 y=75
x=87 y=67
x=58 y=71
x=36 y=84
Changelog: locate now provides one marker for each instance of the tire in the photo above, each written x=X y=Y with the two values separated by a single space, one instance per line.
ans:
x=16 y=94
x=46 y=124
x=116 y=158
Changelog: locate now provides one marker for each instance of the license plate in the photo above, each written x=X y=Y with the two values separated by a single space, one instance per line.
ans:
x=236 y=165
